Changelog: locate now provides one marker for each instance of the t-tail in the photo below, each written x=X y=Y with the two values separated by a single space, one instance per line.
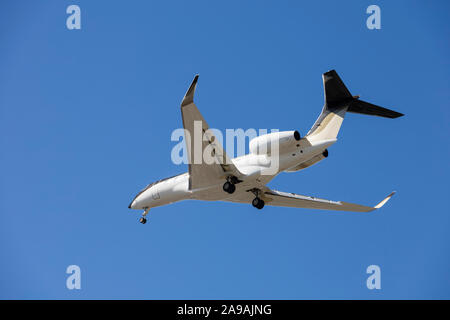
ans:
x=339 y=101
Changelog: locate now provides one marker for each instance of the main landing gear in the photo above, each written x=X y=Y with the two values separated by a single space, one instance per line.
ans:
x=143 y=220
x=258 y=203
x=229 y=186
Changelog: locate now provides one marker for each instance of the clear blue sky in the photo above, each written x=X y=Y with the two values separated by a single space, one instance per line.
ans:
x=85 y=123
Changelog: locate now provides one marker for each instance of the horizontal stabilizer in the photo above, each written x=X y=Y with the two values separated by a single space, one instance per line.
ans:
x=363 y=107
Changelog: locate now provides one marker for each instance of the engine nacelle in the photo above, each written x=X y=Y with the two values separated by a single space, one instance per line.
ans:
x=284 y=141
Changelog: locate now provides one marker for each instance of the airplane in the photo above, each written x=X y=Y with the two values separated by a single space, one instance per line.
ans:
x=244 y=179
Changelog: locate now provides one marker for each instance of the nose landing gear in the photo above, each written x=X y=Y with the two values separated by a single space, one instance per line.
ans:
x=143 y=220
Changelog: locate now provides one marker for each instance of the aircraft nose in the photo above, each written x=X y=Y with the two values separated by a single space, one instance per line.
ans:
x=140 y=200
x=132 y=204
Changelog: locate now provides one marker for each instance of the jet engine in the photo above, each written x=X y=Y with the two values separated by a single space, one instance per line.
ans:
x=284 y=141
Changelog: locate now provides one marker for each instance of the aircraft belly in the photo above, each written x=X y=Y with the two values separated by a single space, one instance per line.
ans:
x=215 y=193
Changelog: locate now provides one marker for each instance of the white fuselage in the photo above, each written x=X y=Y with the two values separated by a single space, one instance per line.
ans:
x=259 y=168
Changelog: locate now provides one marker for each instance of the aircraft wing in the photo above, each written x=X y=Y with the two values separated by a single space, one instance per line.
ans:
x=203 y=172
x=285 y=199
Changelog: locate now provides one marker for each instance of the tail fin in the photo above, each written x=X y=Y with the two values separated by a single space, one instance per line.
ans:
x=339 y=101
x=335 y=91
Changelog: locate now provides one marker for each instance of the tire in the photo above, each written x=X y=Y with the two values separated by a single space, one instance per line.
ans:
x=261 y=204
x=229 y=187
x=258 y=203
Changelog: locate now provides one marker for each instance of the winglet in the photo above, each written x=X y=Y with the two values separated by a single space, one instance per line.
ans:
x=189 y=96
x=383 y=202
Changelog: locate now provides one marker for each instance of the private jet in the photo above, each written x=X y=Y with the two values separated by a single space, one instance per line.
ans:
x=244 y=179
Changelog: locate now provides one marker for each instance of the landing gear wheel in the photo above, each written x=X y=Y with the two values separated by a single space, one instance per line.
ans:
x=142 y=219
x=229 y=187
x=258 y=203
